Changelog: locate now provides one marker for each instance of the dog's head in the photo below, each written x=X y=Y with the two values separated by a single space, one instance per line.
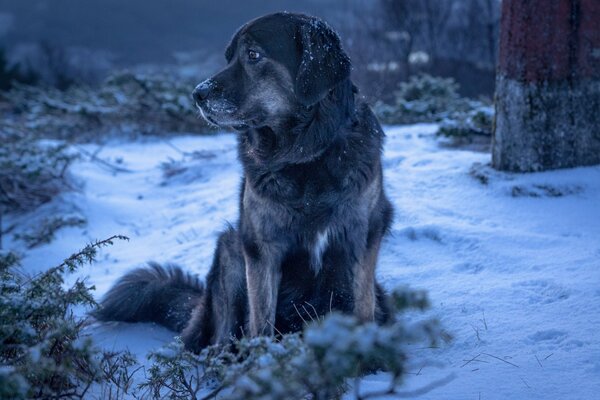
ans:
x=277 y=65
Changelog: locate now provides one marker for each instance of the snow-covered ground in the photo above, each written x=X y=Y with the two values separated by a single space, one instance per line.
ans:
x=511 y=262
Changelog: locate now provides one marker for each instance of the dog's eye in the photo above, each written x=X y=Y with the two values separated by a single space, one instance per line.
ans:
x=253 y=55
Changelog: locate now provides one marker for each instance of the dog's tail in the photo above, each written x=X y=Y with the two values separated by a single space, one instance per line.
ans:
x=165 y=295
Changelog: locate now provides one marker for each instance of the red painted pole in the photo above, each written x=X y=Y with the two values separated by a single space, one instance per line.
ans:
x=548 y=85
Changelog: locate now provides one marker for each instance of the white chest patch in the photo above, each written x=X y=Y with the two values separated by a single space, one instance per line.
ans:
x=318 y=248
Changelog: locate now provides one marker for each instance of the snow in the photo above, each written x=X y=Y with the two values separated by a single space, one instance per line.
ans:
x=512 y=266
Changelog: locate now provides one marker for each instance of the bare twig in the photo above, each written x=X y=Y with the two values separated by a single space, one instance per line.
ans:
x=177 y=149
x=525 y=382
x=95 y=158
x=298 y=312
x=476 y=332
x=479 y=361
x=498 y=358
x=308 y=313
x=213 y=394
x=330 y=301
x=470 y=361
x=274 y=328
x=410 y=394
x=484 y=321
x=314 y=310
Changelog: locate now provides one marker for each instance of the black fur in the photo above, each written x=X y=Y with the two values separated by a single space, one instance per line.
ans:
x=165 y=295
x=313 y=210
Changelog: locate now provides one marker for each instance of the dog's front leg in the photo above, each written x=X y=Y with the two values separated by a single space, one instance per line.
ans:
x=364 y=283
x=263 y=276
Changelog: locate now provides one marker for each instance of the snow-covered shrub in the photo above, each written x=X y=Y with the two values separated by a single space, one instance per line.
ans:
x=422 y=98
x=126 y=103
x=477 y=121
x=119 y=370
x=31 y=172
x=316 y=364
x=44 y=355
x=42 y=352
x=425 y=98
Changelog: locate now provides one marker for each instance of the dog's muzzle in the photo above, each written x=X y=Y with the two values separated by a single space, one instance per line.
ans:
x=202 y=91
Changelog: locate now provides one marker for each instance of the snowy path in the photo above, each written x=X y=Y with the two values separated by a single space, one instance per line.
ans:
x=512 y=266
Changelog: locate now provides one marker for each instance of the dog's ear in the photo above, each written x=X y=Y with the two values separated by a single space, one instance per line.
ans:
x=230 y=49
x=323 y=62
x=233 y=43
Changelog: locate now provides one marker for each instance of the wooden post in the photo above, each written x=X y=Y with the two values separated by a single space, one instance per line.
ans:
x=548 y=85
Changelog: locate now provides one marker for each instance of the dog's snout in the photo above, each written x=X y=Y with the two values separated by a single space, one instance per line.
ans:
x=202 y=91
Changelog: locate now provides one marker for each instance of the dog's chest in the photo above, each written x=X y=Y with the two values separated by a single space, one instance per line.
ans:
x=301 y=210
x=306 y=188
x=317 y=247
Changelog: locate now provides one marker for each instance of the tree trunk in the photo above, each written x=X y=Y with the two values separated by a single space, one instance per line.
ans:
x=548 y=85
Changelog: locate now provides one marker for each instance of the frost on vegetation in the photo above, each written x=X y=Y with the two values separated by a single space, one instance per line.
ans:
x=31 y=172
x=318 y=363
x=42 y=351
x=186 y=169
x=477 y=121
x=425 y=98
x=124 y=103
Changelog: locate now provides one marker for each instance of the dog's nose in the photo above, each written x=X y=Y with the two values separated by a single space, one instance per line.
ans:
x=202 y=91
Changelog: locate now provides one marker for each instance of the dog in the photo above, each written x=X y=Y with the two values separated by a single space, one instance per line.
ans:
x=312 y=209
